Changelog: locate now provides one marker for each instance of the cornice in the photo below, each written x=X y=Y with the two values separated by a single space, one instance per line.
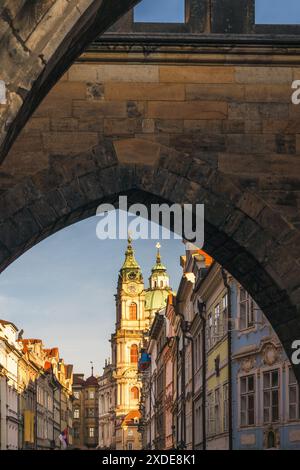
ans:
x=195 y=49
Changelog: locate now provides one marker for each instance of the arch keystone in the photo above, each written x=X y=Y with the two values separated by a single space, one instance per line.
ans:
x=137 y=151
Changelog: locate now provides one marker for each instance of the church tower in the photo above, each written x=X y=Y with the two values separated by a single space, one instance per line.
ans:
x=135 y=309
x=159 y=288
x=126 y=343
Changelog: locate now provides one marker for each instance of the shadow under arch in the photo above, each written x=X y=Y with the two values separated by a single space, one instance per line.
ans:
x=72 y=188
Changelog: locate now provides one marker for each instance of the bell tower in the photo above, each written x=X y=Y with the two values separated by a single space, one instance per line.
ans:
x=127 y=340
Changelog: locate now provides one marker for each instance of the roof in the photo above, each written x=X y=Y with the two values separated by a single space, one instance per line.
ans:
x=130 y=261
x=91 y=381
x=47 y=365
x=5 y=322
x=31 y=341
x=156 y=299
x=132 y=415
x=53 y=352
x=208 y=259
x=78 y=380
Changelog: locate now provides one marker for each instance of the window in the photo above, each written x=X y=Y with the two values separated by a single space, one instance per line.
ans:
x=134 y=354
x=225 y=407
x=133 y=311
x=91 y=395
x=197 y=352
x=90 y=412
x=294 y=398
x=77 y=395
x=247 y=400
x=129 y=446
x=91 y=432
x=151 y=11
x=225 y=313
x=50 y=403
x=217 y=329
x=134 y=393
x=246 y=310
x=217 y=411
x=209 y=331
x=210 y=414
x=271 y=396
x=76 y=433
x=76 y=413
x=198 y=426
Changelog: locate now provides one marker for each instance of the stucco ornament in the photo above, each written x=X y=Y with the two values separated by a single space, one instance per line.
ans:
x=248 y=364
x=270 y=355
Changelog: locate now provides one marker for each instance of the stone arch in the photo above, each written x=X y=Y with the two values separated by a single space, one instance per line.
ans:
x=36 y=208
x=151 y=132
x=39 y=41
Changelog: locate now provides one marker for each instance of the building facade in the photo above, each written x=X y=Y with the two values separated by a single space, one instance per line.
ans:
x=266 y=393
x=229 y=384
x=85 y=412
x=107 y=400
x=33 y=391
x=10 y=353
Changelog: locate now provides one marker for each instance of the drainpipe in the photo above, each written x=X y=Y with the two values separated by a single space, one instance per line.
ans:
x=182 y=395
x=177 y=388
x=203 y=318
x=150 y=411
x=230 y=420
x=191 y=339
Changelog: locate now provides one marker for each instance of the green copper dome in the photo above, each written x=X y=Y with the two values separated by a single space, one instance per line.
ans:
x=156 y=299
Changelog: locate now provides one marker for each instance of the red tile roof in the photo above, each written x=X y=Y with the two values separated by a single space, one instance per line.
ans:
x=132 y=415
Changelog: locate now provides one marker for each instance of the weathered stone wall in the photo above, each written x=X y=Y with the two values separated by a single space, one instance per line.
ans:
x=225 y=134
x=38 y=42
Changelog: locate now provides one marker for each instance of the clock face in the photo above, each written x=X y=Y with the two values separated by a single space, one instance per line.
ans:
x=132 y=288
x=132 y=275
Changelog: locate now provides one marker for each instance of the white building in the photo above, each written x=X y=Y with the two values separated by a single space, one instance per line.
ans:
x=10 y=351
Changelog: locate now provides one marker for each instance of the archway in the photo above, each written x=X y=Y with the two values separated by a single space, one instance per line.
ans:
x=90 y=184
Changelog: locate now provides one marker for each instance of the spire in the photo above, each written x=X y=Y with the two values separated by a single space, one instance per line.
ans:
x=92 y=368
x=130 y=261
x=158 y=257
x=158 y=266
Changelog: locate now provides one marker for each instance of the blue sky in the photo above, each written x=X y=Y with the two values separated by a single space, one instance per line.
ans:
x=278 y=11
x=62 y=290
x=267 y=11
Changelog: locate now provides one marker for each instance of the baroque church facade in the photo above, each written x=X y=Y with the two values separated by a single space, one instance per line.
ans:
x=120 y=386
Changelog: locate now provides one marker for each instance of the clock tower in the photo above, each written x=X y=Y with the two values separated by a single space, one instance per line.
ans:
x=131 y=325
x=136 y=306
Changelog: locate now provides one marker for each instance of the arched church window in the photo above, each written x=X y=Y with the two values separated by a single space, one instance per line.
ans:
x=134 y=392
x=134 y=354
x=132 y=311
x=161 y=283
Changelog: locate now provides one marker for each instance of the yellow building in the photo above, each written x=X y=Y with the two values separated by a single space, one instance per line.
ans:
x=213 y=294
x=135 y=309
